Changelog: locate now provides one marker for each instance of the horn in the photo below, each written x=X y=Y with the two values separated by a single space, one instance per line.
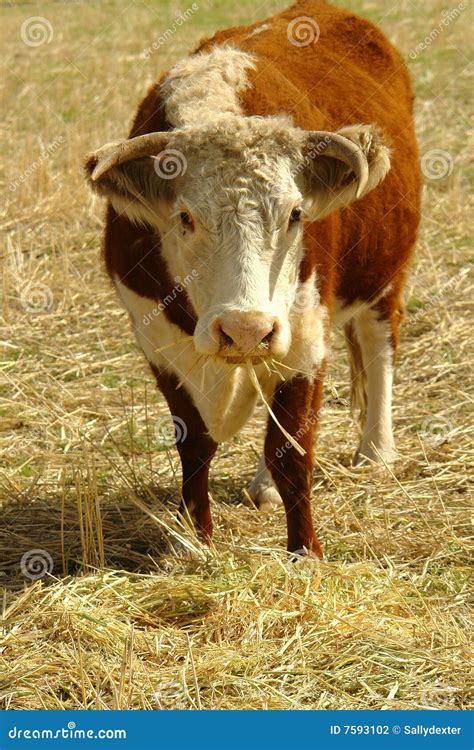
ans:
x=345 y=150
x=113 y=154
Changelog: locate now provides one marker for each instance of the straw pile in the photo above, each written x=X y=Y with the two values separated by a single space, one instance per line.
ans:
x=118 y=620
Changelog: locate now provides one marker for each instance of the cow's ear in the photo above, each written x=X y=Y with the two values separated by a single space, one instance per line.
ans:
x=339 y=168
x=136 y=175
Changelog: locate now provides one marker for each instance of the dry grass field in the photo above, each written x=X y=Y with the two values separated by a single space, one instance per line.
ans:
x=102 y=615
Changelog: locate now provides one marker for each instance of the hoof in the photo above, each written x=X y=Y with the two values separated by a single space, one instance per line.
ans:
x=313 y=553
x=262 y=490
x=366 y=455
x=304 y=563
x=265 y=498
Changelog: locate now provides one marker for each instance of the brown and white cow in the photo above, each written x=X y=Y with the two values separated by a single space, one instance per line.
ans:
x=268 y=189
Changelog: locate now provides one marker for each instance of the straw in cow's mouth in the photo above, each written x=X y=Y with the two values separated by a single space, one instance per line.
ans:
x=242 y=360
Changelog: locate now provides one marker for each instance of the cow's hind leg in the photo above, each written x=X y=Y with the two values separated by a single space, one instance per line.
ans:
x=262 y=489
x=372 y=339
x=358 y=377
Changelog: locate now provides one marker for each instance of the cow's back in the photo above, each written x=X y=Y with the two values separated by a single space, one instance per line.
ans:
x=320 y=62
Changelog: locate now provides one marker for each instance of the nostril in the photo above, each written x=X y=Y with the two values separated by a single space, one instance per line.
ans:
x=266 y=339
x=245 y=333
x=226 y=339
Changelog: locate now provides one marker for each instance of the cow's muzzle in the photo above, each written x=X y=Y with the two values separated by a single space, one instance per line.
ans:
x=246 y=335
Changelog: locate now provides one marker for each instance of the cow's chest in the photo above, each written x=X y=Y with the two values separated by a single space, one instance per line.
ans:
x=223 y=395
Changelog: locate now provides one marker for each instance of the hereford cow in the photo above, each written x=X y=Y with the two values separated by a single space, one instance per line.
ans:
x=268 y=189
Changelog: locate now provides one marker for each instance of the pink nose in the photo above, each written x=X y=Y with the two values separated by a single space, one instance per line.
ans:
x=244 y=333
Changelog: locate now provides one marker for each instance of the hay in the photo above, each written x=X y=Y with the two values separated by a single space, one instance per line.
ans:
x=123 y=621
x=254 y=380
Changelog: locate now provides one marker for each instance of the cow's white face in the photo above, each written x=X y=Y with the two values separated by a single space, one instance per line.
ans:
x=229 y=201
x=236 y=225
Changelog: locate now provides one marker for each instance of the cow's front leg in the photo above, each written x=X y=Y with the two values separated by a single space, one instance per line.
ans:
x=295 y=405
x=196 y=450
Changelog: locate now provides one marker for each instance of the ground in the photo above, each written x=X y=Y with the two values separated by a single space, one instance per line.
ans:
x=97 y=613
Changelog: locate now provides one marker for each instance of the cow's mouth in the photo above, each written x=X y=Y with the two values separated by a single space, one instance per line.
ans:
x=254 y=356
x=242 y=360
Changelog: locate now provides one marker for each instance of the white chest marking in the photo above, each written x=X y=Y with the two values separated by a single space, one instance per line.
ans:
x=223 y=395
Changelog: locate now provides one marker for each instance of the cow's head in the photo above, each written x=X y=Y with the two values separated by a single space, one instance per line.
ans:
x=229 y=200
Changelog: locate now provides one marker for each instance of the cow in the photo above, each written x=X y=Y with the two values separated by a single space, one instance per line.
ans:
x=269 y=189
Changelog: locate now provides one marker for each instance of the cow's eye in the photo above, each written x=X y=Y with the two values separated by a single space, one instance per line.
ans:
x=186 y=220
x=295 y=216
